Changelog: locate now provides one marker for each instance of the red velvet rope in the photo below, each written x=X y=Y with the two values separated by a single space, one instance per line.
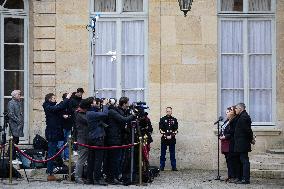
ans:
x=41 y=161
x=106 y=147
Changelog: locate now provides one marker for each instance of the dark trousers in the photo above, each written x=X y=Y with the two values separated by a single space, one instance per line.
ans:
x=232 y=164
x=95 y=160
x=244 y=166
x=52 y=147
x=113 y=164
x=163 y=155
x=15 y=141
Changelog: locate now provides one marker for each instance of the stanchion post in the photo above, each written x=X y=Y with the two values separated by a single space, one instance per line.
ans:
x=140 y=160
x=70 y=157
x=11 y=158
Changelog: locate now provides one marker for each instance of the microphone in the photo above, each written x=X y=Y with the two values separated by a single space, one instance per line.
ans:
x=219 y=119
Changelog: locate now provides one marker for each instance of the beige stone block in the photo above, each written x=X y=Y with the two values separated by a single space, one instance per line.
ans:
x=44 y=80
x=154 y=73
x=37 y=105
x=170 y=8
x=44 y=32
x=40 y=92
x=188 y=30
x=44 y=68
x=44 y=7
x=44 y=44
x=190 y=73
x=44 y=56
x=171 y=54
x=72 y=20
x=211 y=73
x=154 y=8
x=209 y=29
x=168 y=30
x=44 y=20
x=199 y=54
x=72 y=40
x=168 y=73
x=72 y=7
x=204 y=7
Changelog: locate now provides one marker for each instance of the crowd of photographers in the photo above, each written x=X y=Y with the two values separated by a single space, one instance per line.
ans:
x=96 y=122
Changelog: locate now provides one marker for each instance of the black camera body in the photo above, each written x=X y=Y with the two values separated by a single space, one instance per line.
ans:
x=139 y=108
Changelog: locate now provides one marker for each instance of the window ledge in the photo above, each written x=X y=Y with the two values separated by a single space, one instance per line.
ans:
x=263 y=131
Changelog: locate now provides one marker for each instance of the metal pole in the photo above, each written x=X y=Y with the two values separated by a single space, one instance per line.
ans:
x=132 y=152
x=11 y=158
x=70 y=157
x=140 y=160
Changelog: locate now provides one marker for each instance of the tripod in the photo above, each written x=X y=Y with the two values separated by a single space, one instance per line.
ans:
x=218 y=136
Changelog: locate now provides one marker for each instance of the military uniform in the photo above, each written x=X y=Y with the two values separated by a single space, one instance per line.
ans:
x=168 y=127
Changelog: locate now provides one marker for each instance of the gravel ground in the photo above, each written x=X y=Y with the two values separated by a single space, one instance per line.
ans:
x=182 y=179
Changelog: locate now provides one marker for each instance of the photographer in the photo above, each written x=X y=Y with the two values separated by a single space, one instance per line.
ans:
x=96 y=138
x=16 y=118
x=117 y=121
x=54 y=129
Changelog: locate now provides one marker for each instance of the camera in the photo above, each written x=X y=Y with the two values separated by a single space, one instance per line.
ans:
x=139 y=108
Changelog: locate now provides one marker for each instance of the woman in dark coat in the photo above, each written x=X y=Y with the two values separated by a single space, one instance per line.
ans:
x=227 y=143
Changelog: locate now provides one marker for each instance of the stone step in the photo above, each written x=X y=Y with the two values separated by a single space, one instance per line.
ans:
x=268 y=158
x=275 y=151
x=266 y=166
x=271 y=174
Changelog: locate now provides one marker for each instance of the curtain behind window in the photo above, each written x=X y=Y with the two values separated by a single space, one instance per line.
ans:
x=260 y=70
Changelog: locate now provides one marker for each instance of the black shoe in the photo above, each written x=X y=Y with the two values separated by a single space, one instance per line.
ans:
x=161 y=168
x=174 y=169
x=114 y=182
x=100 y=182
x=243 y=182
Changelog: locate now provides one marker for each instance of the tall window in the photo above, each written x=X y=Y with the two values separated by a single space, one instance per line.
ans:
x=13 y=62
x=120 y=53
x=246 y=57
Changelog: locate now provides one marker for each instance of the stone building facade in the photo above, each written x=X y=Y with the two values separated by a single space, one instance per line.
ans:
x=182 y=68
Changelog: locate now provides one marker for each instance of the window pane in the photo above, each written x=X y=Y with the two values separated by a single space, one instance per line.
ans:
x=106 y=42
x=105 y=72
x=260 y=71
x=232 y=36
x=232 y=72
x=132 y=72
x=232 y=5
x=132 y=5
x=229 y=98
x=105 y=5
x=133 y=37
x=261 y=105
x=13 y=57
x=134 y=96
x=259 y=5
x=14 y=4
x=14 y=30
x=260 y=36
x=106 y=94
x=13 y=80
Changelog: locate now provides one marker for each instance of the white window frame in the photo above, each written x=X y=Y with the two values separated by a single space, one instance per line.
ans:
x=120 y=17
x=225 y=15
x=23 y=14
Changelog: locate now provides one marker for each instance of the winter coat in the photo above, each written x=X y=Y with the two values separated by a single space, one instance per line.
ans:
x=117 y=120
x=16 y=117
x=54 y=129
x=81 y=127
x=243 y=133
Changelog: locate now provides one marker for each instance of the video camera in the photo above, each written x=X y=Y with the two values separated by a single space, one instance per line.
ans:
x=139 y=108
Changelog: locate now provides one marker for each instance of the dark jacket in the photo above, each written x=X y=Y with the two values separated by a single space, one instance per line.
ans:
x=229 y=133
x=54 y=130
x=243 y=133
x=67 y=122
x=168 y=125
x=95 y=123
x=146 y=128
x=117 y=120
x=81 y=126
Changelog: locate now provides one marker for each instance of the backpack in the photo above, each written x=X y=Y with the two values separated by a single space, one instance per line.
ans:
x=40 y=143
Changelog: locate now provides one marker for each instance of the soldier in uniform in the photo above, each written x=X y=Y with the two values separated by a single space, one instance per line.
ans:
x=168 y=128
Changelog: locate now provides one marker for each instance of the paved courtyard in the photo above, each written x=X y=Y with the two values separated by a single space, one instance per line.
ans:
x=182 y=179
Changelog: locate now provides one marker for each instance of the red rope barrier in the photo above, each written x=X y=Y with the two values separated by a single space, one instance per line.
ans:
x=106 y=147
x=41 y=161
